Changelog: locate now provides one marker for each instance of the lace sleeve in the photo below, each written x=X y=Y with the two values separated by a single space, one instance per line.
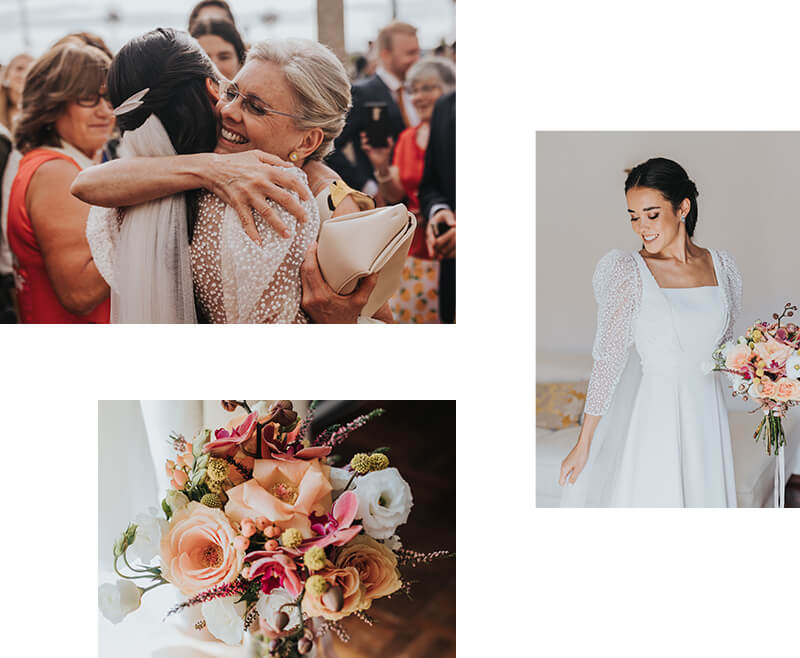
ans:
x=618 y=290
x=102 y=232
x=733 y=292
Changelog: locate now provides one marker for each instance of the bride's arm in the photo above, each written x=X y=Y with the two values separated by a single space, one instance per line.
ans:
x=242 y=180
x=617 y=289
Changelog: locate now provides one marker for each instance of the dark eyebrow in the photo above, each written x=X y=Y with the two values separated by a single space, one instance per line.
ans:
x=646 y=209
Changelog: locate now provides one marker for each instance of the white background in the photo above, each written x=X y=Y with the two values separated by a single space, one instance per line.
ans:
x=574 y=583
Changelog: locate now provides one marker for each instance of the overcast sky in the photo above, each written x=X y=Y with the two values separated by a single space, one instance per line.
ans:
x=49 y=20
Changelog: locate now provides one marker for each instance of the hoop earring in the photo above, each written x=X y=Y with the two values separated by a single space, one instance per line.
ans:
x=293 y=156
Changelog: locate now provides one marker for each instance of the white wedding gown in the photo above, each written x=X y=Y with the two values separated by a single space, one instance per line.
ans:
x=663 y=440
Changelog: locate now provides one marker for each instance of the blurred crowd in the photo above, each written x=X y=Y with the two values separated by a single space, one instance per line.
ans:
x=56 y=119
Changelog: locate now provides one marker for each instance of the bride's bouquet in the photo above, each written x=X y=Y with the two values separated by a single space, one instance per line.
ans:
x=264 y=533
x=765 y=365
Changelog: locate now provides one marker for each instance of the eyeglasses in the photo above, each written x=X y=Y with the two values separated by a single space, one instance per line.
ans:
x=93 y=101
x=229 y=92
x=422 y=89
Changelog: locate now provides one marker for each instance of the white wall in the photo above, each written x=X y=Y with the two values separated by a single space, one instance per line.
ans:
x=748 y=204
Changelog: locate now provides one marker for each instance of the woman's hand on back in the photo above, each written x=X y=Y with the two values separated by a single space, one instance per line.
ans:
x=245 y=180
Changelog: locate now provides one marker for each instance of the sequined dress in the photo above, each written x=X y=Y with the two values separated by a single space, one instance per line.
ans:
x=663 y=440
x=238 y=281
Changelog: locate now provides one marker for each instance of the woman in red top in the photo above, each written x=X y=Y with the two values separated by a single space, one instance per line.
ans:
x=417 y=298
x=65 y=119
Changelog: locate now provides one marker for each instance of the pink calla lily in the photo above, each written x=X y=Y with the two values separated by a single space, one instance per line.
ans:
x=276 y=569
x=227 y=442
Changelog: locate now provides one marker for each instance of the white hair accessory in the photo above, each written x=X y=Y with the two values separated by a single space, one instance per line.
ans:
x=132 y=103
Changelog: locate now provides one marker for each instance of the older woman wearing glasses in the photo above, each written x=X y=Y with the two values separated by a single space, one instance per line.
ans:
x=284 y=107
x=64 y=120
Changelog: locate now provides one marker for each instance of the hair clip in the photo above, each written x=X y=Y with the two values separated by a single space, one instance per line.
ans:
x=132 y=103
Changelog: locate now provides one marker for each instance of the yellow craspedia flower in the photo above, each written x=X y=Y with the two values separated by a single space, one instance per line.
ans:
x=757 y=335
x=217 y=470
x=317 y=585
x=360 y=463
x=378 y=461
x=760 y=372
x=211 y=500
x=291 y=538
x=314 y=558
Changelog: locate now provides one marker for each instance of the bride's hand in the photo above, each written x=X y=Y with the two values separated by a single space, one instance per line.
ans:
x=245 y=180
x=573 y=464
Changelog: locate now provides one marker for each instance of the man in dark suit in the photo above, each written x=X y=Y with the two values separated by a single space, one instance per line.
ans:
x=437 y=200
x=398 y=49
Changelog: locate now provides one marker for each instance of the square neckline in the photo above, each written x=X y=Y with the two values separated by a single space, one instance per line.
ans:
x=713 y=265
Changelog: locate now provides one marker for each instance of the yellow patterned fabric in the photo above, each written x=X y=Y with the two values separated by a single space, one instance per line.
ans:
x=560 y=404
x=417 y=299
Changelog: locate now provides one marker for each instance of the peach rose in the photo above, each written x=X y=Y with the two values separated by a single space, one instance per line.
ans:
x=375 y=563
x=197 y=551
x=771 y=351
x=285 y=492
x=738 y=357
x=353 y=590
x=787 y=390
x=764 y=389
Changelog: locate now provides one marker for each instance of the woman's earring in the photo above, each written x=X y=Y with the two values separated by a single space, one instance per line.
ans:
x=683 y=218
x=293 y=156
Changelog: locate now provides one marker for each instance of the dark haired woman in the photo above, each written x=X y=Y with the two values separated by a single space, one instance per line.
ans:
x=657 y=436
x=222 y=43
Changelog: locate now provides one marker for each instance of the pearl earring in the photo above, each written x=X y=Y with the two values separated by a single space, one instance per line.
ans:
x=683 y=219
x=293 y=156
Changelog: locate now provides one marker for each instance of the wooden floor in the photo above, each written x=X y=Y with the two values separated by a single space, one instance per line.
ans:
x=423 y=442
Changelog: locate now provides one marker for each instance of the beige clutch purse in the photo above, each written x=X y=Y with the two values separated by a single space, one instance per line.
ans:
x=359 y=244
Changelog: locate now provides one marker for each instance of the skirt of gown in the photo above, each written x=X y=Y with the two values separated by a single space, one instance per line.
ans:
x=665 y=440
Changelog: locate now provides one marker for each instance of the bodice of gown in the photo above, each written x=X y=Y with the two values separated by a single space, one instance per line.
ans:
x=238 y=281
x=670 y=327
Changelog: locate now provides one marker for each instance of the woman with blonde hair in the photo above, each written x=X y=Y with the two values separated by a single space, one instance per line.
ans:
x=11 y=80
x=64 y=120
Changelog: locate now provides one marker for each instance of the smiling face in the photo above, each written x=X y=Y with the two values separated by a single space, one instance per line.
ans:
x=654 y=219
x=86 y=128
x=222 y=53
x=264 y=83
x=424 y=94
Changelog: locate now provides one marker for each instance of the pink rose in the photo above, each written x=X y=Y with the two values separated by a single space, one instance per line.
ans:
x=787 y=390
x=771 y=351
x=764 y=389
x=738 y=357
x=197 y=552
x=285 y=492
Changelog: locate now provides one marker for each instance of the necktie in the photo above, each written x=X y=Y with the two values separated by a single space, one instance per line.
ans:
x=401 y=103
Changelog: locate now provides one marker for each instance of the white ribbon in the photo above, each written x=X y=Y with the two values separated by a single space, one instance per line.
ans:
x=780 y=481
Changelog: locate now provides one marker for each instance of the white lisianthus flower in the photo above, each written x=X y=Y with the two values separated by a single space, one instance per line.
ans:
x=393 y=543
x=339 y=477
x=793 y=366
x=384 y=502
x=261 y=407
x=269 y=604
x=176 y=500
x=118 y=601
x=147 y=544
x=225 y=619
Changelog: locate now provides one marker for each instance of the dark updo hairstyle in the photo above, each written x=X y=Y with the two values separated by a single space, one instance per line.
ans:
x=174 y=67
x=669 y=178
x=225 y=30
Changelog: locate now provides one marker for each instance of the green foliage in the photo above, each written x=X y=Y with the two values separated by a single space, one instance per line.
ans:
x=125 y=540
x=167 y=509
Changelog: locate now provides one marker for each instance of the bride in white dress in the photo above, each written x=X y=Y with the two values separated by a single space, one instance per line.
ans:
x=655 y=431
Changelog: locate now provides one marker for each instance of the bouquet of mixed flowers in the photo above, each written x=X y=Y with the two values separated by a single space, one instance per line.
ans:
x=261 y=532
x=765 y=364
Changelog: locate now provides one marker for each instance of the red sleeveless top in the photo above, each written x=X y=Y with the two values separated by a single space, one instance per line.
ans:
x=37 y=299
